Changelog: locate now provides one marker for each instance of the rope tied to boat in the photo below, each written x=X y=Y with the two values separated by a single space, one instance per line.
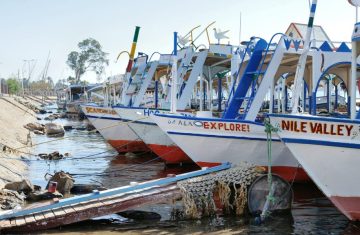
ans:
x=231 y=187
x=269 y=129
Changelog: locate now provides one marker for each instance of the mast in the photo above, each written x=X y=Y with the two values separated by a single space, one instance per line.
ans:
x=133 y=48
x=174 y=77
x=300 y=69
x=355 y=52
x=127 y=75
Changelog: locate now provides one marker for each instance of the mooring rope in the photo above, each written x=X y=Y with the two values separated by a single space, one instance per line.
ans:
x=92 y=131
x=113 y=172
x=65 y=158
x=270 y=197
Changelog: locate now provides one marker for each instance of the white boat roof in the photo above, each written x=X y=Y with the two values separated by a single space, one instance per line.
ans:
x=119 y=78
x=298 y=30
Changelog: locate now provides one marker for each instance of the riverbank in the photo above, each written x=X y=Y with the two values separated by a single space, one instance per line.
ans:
x=13 y=116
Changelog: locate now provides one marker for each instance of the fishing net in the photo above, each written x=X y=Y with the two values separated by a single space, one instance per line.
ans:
x=228 y=187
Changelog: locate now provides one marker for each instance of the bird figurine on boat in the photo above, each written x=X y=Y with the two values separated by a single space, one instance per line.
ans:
x=355 y=3
x=183 y=40
x=220 y=34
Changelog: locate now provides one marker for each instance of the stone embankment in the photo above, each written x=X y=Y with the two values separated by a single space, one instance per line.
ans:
x=14 y=139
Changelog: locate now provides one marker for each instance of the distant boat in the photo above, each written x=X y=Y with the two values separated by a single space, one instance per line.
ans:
x=70 y=98
x=61 y=99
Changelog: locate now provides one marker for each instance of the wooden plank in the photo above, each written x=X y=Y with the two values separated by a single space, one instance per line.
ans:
x=97 y=204
x=111 y=192
x=59 y=212
x=93 y=204
x=68 y=210
x=48 y=214
x=29 y=219
x=76 y=208
x=84 y=206
x=80 y=207
x=93 y=211
x=108 y=202
x=13 y=222
x=39 y=216
x=20 y=221
x=6 y=223
x=120 y=199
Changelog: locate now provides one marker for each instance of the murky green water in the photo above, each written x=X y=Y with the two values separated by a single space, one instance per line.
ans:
x=92 y=160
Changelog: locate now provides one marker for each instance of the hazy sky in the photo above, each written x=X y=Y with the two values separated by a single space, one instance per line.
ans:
x=31 y=28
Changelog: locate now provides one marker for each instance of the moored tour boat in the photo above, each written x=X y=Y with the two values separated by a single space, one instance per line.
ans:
x=113 y=129
x=212 y=141
x=139 y=121
x=328 y=148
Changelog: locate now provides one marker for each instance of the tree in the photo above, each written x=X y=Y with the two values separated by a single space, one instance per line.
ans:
x=40 y=86
x=14 y=85
x=90 y=58
x=71 y=80
x=60 y=84
x=50 y=81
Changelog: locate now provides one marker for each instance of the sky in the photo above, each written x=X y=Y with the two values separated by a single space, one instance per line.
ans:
x=31 y=29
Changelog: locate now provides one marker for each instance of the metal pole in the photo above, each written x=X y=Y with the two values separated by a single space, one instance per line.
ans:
x=352 y=92
x=210 y=89
x=219 y=94
x=174 y=77
x=300 y=69
x=240 y=29
x=156 y=93
x=133 y=48
x=271 y=101
x=201 y=92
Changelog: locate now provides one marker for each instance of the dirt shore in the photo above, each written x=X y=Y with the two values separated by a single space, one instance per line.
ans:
x=13 y=135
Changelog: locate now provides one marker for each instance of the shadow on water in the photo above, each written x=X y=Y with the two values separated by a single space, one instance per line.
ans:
x=93 y=160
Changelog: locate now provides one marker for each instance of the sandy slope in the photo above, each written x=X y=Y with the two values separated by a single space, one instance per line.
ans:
x=13 y=135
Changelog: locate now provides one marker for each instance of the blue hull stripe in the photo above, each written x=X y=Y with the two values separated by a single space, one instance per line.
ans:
x=321 y=142
x=219 y=136
x=120 y=119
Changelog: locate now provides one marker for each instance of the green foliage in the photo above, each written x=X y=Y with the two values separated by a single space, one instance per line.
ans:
x=50 y=81
x=84 y=83
x=90 y=58
x=71 y=80
x=60 y=84
x=14 y=85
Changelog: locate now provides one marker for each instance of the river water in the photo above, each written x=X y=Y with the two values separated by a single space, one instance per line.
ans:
x=92 y=160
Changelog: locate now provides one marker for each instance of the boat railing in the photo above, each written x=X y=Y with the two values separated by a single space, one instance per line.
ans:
x=260 y=70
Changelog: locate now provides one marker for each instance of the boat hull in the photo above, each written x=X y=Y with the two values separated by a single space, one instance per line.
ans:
x=155 y=139
x=328 y=149
x=114 y=131
x=61 y=105
x=210 y=142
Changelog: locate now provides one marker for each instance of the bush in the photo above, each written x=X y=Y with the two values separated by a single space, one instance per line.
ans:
x=14 y=85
